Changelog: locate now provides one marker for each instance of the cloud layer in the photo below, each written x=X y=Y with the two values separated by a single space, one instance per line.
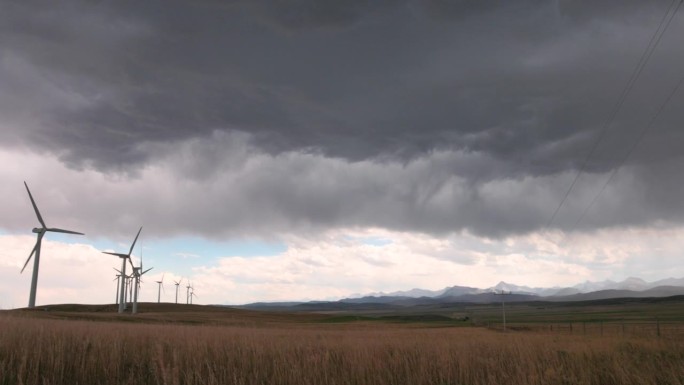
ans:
x=528 y=84
x=190 y=190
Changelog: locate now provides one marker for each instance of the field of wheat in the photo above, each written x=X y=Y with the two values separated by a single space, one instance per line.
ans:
x=49 y=351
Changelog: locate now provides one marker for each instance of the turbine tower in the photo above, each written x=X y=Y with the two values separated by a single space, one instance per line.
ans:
x=187 y=294
x=137 y=274
x=127 y=290
x=118 y=284
x=177 y=284
x=160 y=288
x=40 y=232
x=192 y=293
x=123 y=257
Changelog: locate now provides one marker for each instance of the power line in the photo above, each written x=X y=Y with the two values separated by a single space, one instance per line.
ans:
x=636 y=73
x=641 y=136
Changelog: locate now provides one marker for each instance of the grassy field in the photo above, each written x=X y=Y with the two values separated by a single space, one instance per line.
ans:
x=167 y=344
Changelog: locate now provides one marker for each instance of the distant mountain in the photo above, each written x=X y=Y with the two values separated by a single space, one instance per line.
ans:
x=566 y=291
x=669 y=282
x=660 y=291
x=489 y=297
x=629 y=285
x=413 y=293
x=376 y=299
x=455 y=291
x=629 y=288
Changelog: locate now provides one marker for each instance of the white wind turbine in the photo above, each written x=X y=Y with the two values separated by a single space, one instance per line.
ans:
x=160 y=288
x=187 y=293
x=40 y=231
x=137 y=274
x=123 y=257
x=124 y=288
x=192 y=293
x=177 y=284
x=118 y=284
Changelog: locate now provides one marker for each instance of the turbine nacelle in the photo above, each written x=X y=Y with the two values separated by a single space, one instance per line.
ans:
x=37 y=230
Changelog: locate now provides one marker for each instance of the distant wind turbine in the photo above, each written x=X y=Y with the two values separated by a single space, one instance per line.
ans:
x=137 y=277
x=40 y=231
x=123 y=257
x=177 y=284
x=118 y=284
x=137 y=274
x=160 y=288
x=192 y=294
x=187 y=293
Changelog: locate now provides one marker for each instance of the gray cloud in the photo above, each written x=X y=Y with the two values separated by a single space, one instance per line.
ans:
x=431 y=115
x=254 y=194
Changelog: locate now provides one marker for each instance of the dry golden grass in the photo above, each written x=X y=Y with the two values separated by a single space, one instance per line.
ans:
x=52 y=351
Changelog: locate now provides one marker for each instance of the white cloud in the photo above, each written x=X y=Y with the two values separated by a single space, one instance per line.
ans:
x=338 y=263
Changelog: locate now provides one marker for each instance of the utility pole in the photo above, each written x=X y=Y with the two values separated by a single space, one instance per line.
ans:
x=503 y=306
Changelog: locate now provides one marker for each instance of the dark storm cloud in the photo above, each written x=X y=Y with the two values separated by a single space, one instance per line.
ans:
x=528 y=82
x=432 y=115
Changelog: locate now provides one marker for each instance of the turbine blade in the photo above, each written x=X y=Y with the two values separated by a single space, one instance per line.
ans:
x=117 y=270
x=131 y=262
x=29 y=258
x=163 y=277
x=135 y=240
x=117 y=254
x=146 y=270
x=40 y=219
x=55 y=230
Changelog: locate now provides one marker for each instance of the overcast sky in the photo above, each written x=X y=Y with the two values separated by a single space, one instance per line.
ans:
x=313 y=149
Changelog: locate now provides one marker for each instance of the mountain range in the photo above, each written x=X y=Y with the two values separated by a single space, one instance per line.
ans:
x=629 y=288
x=630 y=284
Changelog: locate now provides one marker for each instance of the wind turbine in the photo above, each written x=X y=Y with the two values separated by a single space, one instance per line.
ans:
x=160 y=288
x=177 y=283
x=187 y=293
x=123 y=257
x=137 y=273
x=40 y=231
x=127 y=290
x=192 y=293
x=118 y=284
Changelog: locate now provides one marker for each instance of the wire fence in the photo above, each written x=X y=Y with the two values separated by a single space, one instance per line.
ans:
x=655 y=328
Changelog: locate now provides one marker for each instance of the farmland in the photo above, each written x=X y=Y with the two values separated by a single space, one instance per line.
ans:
x=167 y=344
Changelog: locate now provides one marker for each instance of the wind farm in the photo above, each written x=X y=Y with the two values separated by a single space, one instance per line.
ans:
x=433 y=327
x=375 y=192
